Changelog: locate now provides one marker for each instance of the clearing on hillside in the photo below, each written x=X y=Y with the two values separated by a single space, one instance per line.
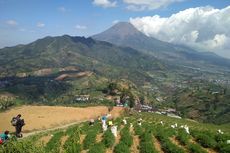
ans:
x=45 y=117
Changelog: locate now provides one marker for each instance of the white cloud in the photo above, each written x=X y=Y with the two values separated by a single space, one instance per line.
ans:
x=62 y=9
x=115 y=21
x=105 y=3
x=141 y=5
x=11 y=22
x=203 y=28
x=80 y=27
x=40 y=25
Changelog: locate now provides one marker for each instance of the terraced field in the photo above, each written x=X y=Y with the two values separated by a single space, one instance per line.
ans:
x=150 y=137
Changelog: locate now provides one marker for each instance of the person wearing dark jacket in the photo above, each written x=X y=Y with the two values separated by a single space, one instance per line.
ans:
x=19 y=124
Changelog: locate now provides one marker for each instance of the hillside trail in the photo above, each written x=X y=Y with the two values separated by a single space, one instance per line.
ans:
x=25 y=135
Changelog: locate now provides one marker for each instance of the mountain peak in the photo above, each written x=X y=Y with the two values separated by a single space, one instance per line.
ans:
x=120 y=30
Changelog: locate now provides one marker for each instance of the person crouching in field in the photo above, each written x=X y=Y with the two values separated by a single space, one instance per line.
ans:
x=4 y=137
x=18 y=123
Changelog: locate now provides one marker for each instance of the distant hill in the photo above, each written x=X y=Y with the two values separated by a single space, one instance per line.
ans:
x=63 y=51
x=125 y=34
x=56 y=70
x=53 y=70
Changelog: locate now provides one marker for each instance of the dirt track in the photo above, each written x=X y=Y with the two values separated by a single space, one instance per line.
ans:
x=46 y=117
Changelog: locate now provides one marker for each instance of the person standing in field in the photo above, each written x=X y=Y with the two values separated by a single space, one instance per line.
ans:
x=18 y=123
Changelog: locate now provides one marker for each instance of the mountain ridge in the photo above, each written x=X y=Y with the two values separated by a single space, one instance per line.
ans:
x=160 y=49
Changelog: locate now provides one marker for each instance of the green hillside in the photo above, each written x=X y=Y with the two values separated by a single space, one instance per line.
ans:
x=59 y=70
x=155 y=135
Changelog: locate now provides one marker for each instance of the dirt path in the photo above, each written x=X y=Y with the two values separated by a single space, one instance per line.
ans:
x=99 y=137
x=39 y=118
x=82 y=137
x=45 y=139
x=136 y=142
x=63 y=140
x=157 y=145
x=51 y=129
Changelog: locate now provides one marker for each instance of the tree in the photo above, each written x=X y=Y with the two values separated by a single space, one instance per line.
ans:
x=6 y=102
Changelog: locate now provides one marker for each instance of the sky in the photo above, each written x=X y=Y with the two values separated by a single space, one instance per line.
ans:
x=200 y=24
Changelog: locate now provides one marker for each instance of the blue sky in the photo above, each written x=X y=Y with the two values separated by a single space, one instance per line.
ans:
x=23 y=21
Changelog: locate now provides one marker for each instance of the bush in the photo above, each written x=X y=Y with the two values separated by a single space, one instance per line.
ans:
x=108 y=139
x=183 y=137
x=205 y=140
x=20 y=147
x=72 y=143
x=121 y=148
x=138 y=130
x=97 y=148
x=167 y=145
x=195 y=148
x=146 y=145
x=73 y=148
x=126 y=137
x=89 y=139
x=54 y=144
x=224 y=148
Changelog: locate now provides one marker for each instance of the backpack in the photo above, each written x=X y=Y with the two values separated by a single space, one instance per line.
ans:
x=14 y=121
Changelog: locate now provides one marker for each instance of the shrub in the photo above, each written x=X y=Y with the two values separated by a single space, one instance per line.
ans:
x=183 y=137
x=224 y=148
x=108 y=139
x=146 y=144
x=167 y=145
x=73 y=148
x=138 y=130
x=97 y=148
x=27 y=146
x=54 y=144
x=195 y=148
x=126 y=137
x=206 y=141
x=89 y=139
x=72 y=143
x=121 y=148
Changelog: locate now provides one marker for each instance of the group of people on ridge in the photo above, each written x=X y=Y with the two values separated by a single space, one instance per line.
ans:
x=18 y=123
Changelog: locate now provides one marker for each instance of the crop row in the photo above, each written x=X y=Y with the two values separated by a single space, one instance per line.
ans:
x=125 y=142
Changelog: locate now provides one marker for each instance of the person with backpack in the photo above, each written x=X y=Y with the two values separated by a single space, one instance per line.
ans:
x=4 y=137
x=18 y=123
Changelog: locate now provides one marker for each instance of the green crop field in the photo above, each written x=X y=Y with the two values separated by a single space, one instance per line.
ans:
x=149 y=137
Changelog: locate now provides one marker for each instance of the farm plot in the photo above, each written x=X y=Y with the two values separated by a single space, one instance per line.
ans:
x=151 y=136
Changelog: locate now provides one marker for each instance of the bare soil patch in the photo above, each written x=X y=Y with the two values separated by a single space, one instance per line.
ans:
x=136 y=142
x=45 y=139
x=157 y=145
x=45 y=117
x=63 y=140
x=99 y=137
